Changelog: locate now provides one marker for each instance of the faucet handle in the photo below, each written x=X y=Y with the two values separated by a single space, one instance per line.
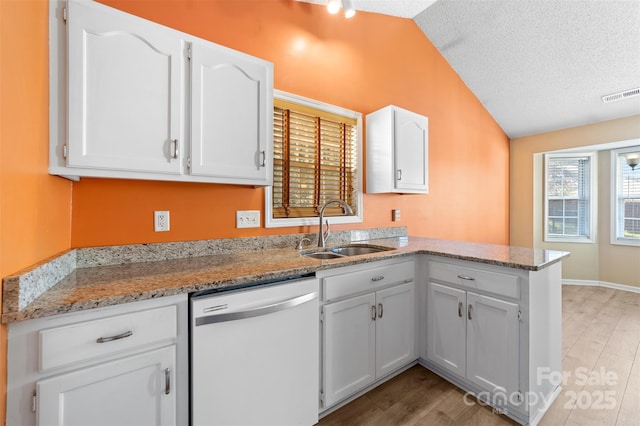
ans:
x=328 y=231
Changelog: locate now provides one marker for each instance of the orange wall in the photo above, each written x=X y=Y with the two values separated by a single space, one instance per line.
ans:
x=362 y=64
x=35 y=208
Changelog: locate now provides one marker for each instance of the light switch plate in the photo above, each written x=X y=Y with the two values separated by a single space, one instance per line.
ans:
x=248 y=219
x=395 y=215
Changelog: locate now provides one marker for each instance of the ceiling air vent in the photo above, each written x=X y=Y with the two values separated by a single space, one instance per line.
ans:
x=621 y=95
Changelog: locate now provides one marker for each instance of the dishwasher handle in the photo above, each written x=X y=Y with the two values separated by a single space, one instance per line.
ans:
x=256 y=312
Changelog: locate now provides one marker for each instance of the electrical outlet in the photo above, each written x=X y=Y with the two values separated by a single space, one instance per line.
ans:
x=161 y=220
x=395 y=215
x=248 y=219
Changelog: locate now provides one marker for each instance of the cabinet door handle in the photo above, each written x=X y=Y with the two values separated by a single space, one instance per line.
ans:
x=373 y=312
x=380 y=310
x=460 y=309
x=116 y=337
x=469 y=309
x=263 y=156
x=399 y=174
x=378 y=278
x=466 y=278
x=167 y=381
x=176 y=150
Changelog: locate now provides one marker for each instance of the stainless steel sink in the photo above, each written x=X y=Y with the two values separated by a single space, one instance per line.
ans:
x=323 y=255
x=346 y=251
x=354 y=250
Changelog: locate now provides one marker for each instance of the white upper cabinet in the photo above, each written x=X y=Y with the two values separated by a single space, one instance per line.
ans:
x=232 y=94
x=124 y=91
x=149 y=102
x=397 y=151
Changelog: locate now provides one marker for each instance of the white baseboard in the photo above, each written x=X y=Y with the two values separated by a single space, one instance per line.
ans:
x=623 y=287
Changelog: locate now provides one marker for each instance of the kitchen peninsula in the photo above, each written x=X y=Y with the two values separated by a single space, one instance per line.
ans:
x=450 y=284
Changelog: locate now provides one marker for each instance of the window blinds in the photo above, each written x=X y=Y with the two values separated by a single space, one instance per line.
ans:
x=628 y=198
x=314 y=161
x=568 y=189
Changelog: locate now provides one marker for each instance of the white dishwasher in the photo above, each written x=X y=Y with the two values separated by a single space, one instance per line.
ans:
x=255 y=355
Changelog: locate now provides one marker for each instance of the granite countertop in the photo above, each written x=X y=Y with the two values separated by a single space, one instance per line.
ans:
x=86 y=287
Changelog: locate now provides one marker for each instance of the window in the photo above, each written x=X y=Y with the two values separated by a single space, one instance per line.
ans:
x=569 y=197
x=316 y=158
x=625 y=214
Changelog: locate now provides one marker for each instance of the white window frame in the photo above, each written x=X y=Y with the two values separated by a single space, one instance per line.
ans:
x=616 y=185
x=593 y=170
x=270 y=221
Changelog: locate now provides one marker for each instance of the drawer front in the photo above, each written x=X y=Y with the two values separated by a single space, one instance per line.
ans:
x=478 y=279
x=65 y=345
x=373 y=278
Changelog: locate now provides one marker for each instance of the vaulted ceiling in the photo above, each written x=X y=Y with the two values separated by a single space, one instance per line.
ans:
x=536 y=65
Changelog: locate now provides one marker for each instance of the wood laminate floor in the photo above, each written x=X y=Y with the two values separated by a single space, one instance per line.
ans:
x=601 y=363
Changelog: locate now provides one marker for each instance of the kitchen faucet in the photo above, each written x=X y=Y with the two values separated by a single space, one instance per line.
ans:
x=321 y=235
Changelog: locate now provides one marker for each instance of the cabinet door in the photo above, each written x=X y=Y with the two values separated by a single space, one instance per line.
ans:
x=446 y=327
x=395 y=328
x=349 y=347
x=232 y=115
x=411 y=151
x=125 y=78
x=492 y=343
x=132 y=391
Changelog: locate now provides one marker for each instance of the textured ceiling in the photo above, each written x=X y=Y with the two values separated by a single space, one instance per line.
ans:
x=536 y=65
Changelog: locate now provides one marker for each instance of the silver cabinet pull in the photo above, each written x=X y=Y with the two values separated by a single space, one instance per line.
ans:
x=378 y=278
x=116 y=337
x=460 y=309
x=176 y=150
x=373 y=312
x=467 y=278
x=380 y=310
x=399 y=174
x=263 y=156
x=167 y=381
x=469 y=309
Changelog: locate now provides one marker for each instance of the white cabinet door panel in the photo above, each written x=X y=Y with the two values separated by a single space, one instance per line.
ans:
x=446 y=333
x=492 y=330
x=124 y=91
x=129 y=391
x=395 y=328
x=411 y=148
x=230 y=124
x=349 y=347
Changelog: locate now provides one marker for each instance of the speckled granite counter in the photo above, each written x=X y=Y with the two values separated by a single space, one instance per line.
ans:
x=79 y=286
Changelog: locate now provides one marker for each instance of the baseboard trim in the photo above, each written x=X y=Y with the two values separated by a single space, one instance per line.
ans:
x=590 y=283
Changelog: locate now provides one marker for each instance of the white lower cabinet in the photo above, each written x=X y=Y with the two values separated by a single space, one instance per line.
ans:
x=133 y=391
x=370 y=335
x=495 y=332
x=475 y=337
x=349 y=347
x=121 y=365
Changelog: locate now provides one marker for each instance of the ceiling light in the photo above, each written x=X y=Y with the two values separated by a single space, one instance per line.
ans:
x=333 y=6
x=349 y=10
x=633 y=159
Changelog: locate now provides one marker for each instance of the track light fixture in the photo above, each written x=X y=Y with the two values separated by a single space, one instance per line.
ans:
x=349 y=10
x=333 y=6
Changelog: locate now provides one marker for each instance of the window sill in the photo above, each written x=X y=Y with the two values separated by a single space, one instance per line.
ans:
x=309 y=221
x=625 y=242
x=570 y=240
